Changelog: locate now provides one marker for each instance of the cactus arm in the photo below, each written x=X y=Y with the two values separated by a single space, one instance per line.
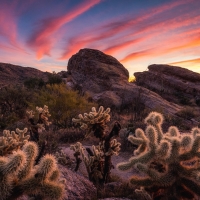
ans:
x=137 y=180
x=134 y=140
x=142 y=158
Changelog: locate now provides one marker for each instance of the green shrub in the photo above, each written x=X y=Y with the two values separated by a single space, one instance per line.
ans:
x=64 y=103
x=33 y=83
x=13 y=104
x=54 y=79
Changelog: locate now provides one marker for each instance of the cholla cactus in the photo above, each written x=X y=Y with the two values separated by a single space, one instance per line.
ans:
x=20 y=176
x=62 y=158
x=91 y=161
x=89 y=121
x=169 y=161
x=98 y=162
x=11 y=141
x=39 y=125
x=43 y=115
x=114 y=148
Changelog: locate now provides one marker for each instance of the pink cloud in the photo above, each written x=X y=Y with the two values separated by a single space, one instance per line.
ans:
x=42 y=40
x=192 y=61
x=8 y=24
x=174 y=44
x=136 y=55
x=138 y=25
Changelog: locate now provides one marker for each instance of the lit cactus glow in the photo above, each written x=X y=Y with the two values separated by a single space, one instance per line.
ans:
x=12 y=140
x=89 y=119
x=98 y=160
x=168 y=160
x=20 y=176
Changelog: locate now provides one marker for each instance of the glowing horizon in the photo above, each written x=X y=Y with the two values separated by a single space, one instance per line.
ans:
x=45 y=34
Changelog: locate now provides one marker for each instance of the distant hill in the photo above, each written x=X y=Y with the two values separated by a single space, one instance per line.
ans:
x=174 y=91
x=14 y=74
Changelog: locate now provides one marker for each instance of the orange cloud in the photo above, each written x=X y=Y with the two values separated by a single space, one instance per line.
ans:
x=8 y=24
x=42 y=39
x=193 y=64
x=139 y=25
x=192 y=61
x=136 y=55
x=112 y=49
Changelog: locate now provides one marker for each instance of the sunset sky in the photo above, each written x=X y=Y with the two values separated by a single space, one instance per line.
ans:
x=44 y=34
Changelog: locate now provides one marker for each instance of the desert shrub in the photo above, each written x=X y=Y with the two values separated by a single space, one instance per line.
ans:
x=33 y=83
x=54 y=78
x=118 y=189
x=70 y=135
x=64 y=103
x=167 y=163
x=13 y=104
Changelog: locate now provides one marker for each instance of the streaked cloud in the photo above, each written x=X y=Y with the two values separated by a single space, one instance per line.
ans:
x=193 y=64
x=131 y=29
x=154 y=32
x=42 y=39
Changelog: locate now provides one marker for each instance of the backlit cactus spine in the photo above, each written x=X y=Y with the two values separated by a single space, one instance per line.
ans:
x=11 y=141
x=88 y=121
x=20 y=176
x=91 y=161
x=98 y=163
x=170 y=161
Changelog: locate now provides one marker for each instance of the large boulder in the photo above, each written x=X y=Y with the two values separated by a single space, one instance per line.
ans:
x=96 y=71
x=78 y=187
x=106 y=80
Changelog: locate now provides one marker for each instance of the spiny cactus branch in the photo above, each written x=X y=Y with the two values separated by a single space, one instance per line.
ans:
x=98 y=161
x=168 y=160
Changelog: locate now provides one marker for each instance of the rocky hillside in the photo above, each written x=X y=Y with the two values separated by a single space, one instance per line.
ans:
x=176 y=84
x=14 y=74
x=163 y=88
x=106 y=80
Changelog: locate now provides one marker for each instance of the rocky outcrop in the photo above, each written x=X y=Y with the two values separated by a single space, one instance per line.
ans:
x=77 y=186
x=173 y=83
x=106 y=80
x=96 y=71
x=14 y=74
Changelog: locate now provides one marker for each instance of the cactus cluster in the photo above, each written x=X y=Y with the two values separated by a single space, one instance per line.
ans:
x=12 y=140
x=19 y=175
x=166 y=161
x=62 y=158
x=44 y=115
x=89 y=120
x=38 y=125
x=98 y=161
x=114 y=148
